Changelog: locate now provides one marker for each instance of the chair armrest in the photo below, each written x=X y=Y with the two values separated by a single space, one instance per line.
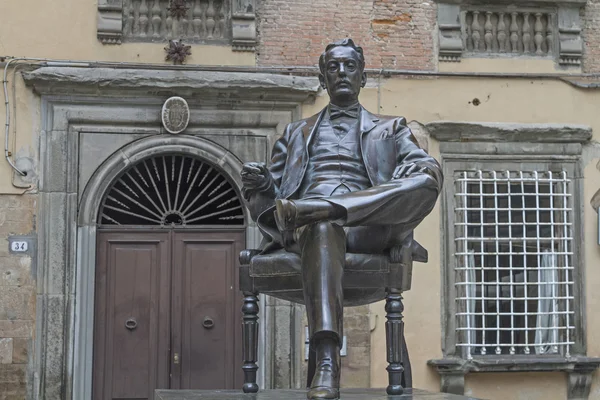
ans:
x=247 y=255
x=419 y=253
x=409 y=252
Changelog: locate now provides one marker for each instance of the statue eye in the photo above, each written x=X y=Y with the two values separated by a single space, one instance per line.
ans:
x=351 y=66
x=332 y=67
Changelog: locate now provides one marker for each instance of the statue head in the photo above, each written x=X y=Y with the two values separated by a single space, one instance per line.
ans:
x=342 y=74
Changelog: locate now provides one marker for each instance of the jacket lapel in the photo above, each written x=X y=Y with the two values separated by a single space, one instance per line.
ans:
x=367 y=123
x=311 y=126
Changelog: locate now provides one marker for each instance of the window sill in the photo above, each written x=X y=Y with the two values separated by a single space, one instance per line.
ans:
x=579 y=370
x=517 y=364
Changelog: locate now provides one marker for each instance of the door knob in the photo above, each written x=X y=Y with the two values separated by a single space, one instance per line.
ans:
x=208 y=323
x=131 y=324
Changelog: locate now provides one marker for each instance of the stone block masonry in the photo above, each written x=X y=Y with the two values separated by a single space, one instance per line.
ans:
x=17 y=296
x=396 y=34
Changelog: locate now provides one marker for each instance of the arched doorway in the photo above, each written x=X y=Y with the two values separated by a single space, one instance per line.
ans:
x=170 y=228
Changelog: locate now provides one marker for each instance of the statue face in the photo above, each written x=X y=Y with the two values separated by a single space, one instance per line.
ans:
x=343 y=76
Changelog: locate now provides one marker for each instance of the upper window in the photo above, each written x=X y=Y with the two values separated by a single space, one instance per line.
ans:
x=500 y=32
x=193 y=21
x=514 y=262
x=495 y=29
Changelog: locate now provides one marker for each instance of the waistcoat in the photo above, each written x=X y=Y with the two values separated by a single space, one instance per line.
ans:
x=335 y=162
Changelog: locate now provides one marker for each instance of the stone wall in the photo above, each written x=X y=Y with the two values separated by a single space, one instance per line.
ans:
x=17 y=296
x=395 y=34
x=356 y=364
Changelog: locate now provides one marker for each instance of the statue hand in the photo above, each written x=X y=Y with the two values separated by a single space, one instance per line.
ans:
x=255 y=176
x=405 y=170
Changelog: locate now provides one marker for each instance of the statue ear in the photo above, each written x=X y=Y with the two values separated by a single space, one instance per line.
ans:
x=364 y=79
x=322 y=81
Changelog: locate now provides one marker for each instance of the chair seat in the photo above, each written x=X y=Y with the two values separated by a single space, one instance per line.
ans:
x=367 y=278
x=279 y=274
x=283 y=263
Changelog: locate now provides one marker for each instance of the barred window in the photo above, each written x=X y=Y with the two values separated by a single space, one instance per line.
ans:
x=514 y=263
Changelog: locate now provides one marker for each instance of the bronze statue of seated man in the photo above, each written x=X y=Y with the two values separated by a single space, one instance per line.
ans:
x=344 y=180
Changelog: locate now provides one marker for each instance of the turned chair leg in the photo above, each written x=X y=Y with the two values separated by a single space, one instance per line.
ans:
x=394 y=333
x=250 y=341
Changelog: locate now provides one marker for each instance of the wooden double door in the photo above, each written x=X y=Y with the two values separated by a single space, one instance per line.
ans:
x=167 y=312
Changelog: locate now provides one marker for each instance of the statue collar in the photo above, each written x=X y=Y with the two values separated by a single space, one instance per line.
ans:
x=352 y=111
x=367 y=122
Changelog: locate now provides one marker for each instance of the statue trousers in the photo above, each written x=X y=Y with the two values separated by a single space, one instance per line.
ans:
x=377 y=218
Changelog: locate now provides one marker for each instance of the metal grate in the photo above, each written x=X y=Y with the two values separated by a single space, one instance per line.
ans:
x=514 y=263
x=169 y=191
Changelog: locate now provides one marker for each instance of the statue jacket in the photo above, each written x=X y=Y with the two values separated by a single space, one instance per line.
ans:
x=386 y=144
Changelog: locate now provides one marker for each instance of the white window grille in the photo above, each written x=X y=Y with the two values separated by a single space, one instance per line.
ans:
x=514 y=263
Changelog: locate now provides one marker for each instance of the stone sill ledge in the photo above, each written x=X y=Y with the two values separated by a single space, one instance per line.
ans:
x=579 y=371
x=458 y=131
x=517 y=364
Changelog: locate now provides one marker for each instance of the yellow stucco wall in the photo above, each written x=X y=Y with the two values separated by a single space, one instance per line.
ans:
x=67 y=30
x=502 y=100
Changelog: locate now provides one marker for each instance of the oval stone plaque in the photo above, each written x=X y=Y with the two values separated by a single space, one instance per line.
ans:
x=175 y=115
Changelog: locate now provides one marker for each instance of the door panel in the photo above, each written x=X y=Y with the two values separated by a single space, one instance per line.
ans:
x=207 y=302
x=164 y=284
x=132 y=315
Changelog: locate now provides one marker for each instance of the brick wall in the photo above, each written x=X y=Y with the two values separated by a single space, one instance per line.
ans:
x=17 y=297
x=591 y=36
x=394 y=33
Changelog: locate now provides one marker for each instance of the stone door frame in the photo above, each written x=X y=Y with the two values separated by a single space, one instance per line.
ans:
x=126 y=103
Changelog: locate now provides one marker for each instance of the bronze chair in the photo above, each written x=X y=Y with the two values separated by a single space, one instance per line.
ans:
x=368 y=278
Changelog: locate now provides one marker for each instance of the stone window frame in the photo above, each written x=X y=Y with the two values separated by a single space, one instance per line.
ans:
x=568 y=41
x=243 y=23
x=522 y=146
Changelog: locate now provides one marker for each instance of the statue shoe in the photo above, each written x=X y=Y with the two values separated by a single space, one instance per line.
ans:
x=326 y=381
x=323 y=392
x=292 y=214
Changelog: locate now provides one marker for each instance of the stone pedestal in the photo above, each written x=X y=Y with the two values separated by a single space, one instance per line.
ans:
x=346 y=394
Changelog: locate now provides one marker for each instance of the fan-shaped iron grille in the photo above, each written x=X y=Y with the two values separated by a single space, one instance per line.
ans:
x=171 y=190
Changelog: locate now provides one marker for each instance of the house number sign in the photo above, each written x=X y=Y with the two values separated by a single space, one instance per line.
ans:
x=20 y=244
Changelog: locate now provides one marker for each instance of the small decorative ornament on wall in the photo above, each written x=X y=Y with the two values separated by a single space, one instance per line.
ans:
x=177 y=51
x=175 y=115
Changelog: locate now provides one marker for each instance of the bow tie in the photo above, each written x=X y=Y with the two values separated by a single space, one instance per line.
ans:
x=337 y=112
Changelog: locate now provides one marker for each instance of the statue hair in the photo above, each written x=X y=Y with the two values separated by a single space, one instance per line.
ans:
x=342 y=43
